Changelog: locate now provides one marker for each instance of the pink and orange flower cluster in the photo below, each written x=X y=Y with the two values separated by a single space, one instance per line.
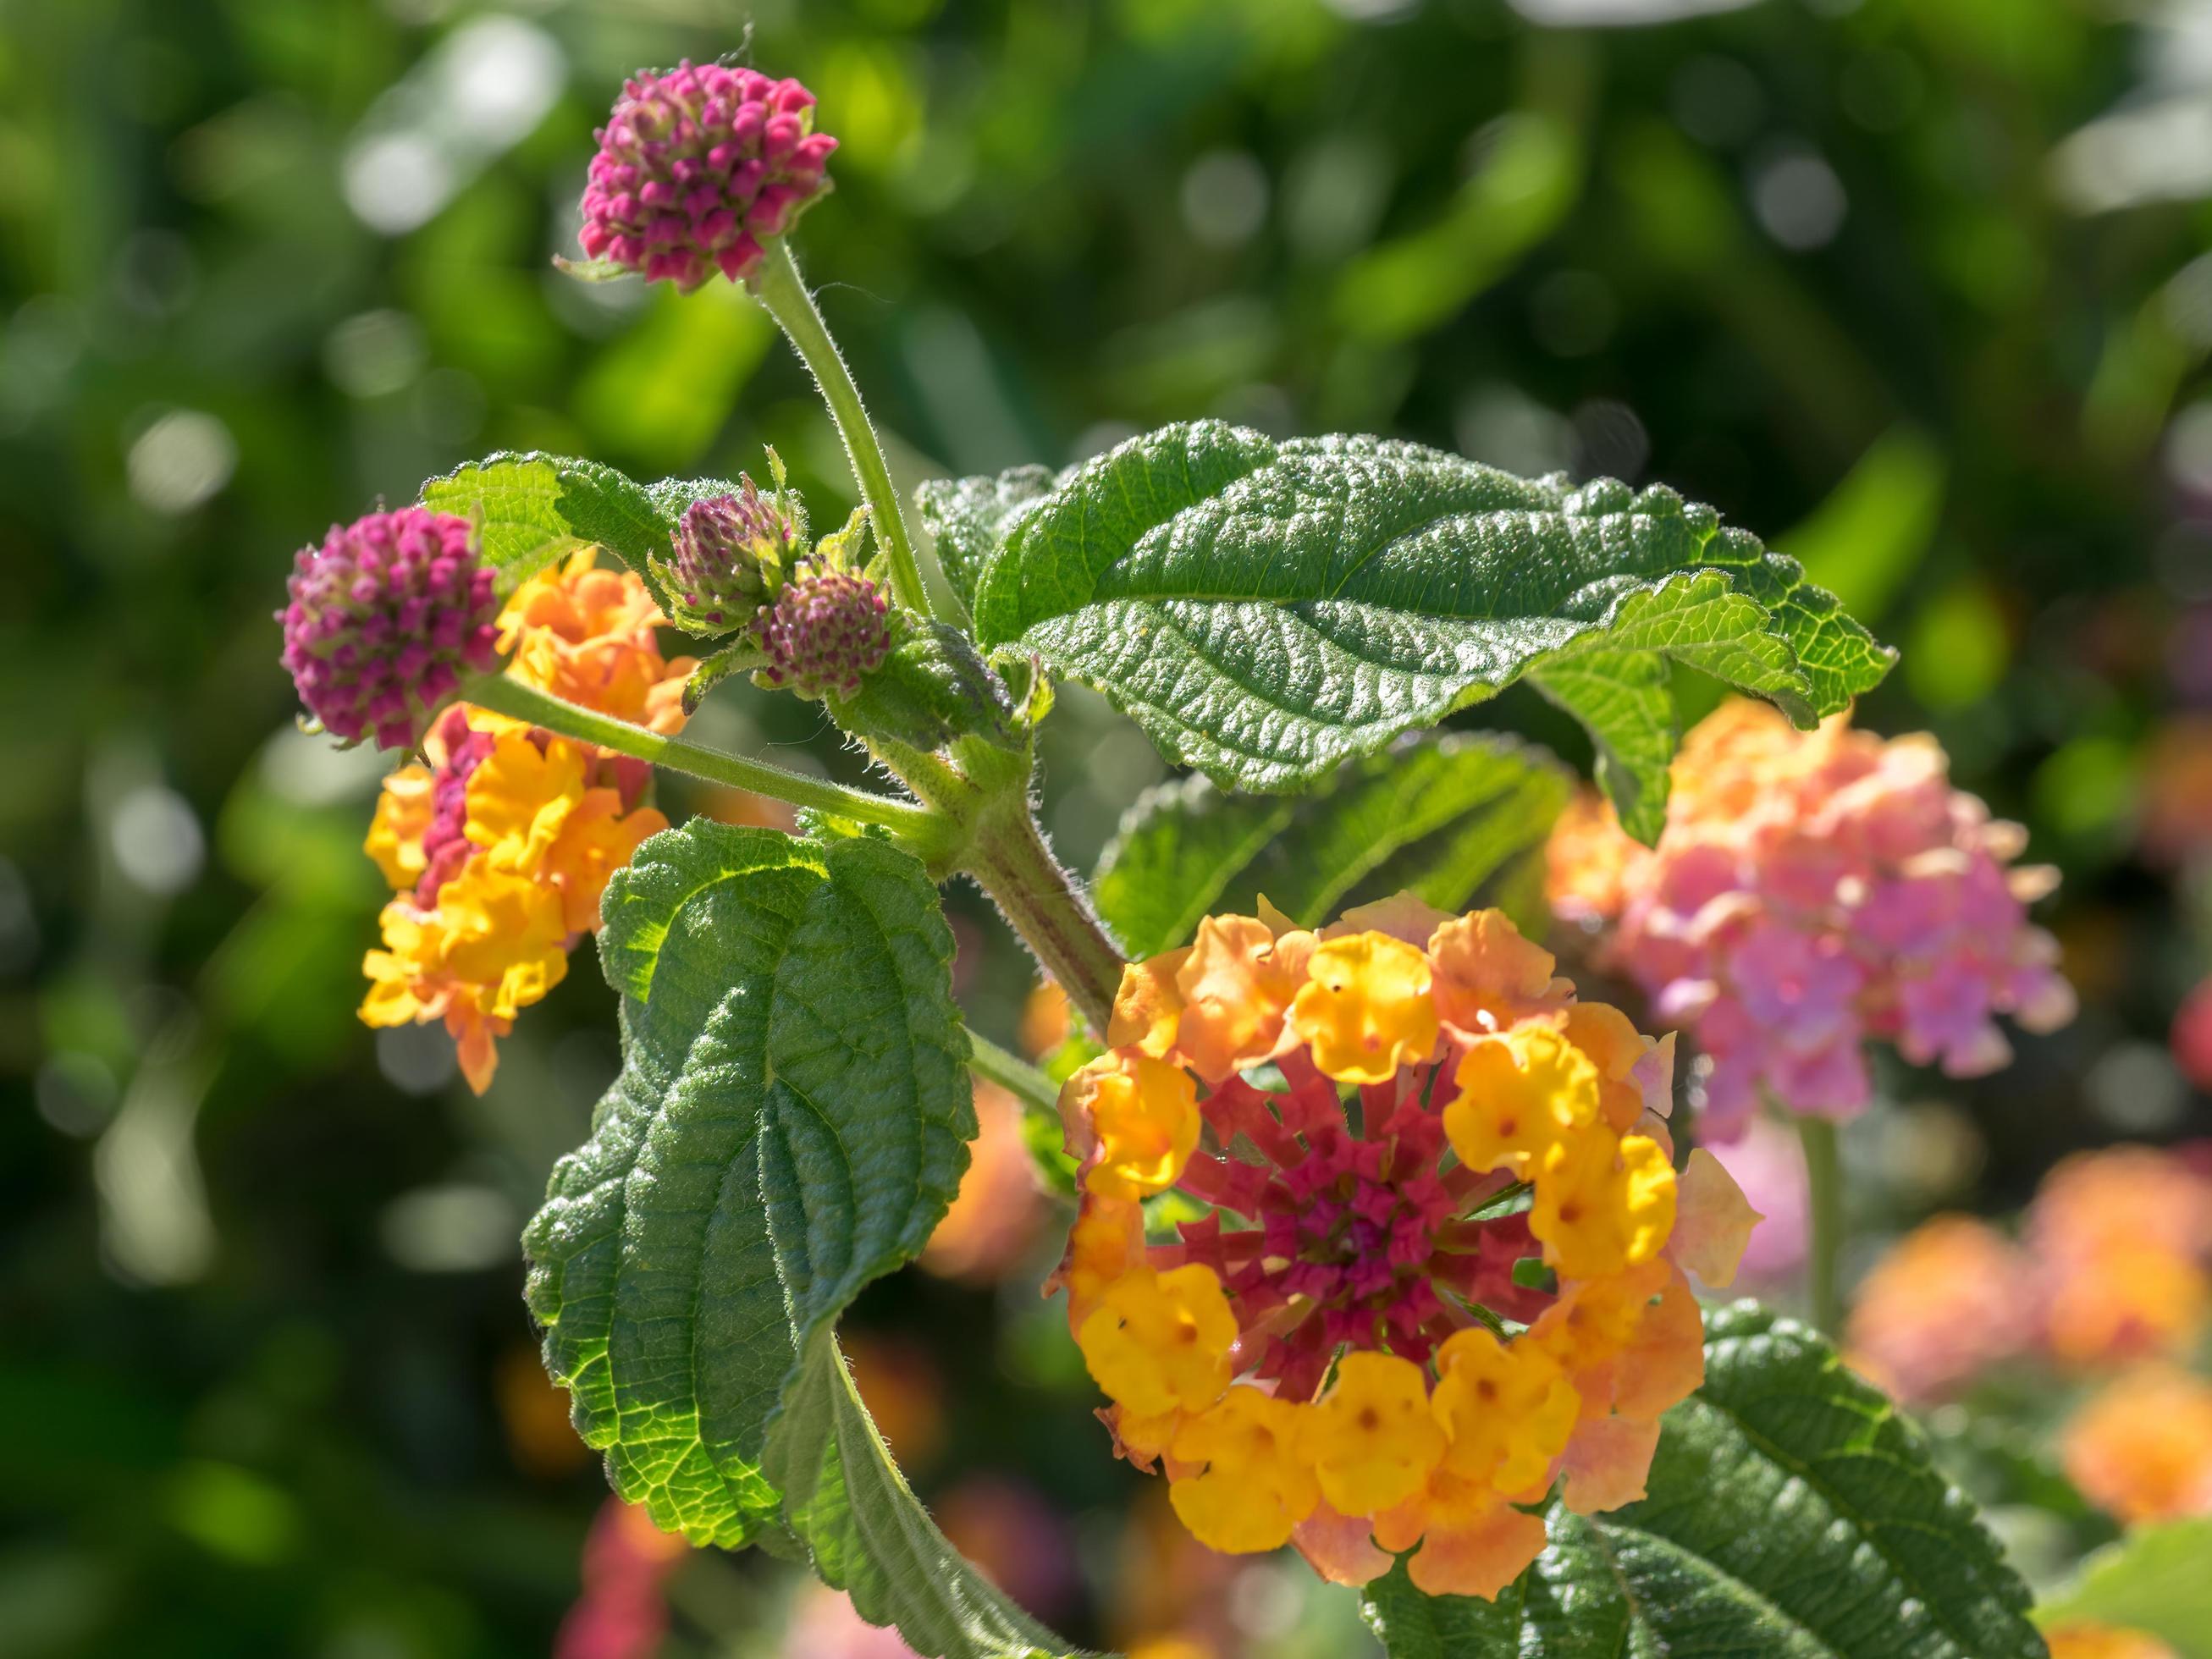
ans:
x=500 y=843
x=2113 y=1264
x=2110 y=1277
x=1811 y=891
x=1433 y=1247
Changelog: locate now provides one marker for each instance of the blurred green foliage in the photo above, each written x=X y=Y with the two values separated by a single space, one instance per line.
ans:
x=1918 y=289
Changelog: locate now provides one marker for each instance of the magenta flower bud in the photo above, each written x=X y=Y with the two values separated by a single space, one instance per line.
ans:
x=698 y=168
x=385 y=617
x=728 y=555
x=826 y=633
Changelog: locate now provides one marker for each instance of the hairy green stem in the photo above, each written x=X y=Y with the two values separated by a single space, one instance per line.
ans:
x=779 y=286
x=1008 y=859
x=504 y=694
x=1824 y=1186
x=1036 y=1091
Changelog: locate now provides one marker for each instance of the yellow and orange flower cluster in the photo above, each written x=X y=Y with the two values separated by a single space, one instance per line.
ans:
x=499 y=847
x=1440 y=1259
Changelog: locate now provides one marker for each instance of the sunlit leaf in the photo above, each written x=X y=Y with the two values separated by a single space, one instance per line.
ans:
x=1267 y=610
x=2158 y=1580
x=789 y=1123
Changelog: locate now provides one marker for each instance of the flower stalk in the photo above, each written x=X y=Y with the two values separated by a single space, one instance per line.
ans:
x=1008 y=859
x=779 y=287
x=1824 y=1185
x=914 y=826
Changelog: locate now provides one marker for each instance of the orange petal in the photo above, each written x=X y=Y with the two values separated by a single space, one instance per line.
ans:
x=1340 y=1547
x=1607 y=1461
x=1147 y=1006
x=1712 y=1221
x=1478 y=1559
x=1402 y=916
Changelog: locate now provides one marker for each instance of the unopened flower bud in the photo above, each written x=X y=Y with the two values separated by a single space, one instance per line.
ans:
x=825 y=632
x=698 y=168
x=728 y=558
x=384 y=616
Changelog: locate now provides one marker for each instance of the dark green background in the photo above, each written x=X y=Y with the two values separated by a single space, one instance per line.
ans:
x=264 y=262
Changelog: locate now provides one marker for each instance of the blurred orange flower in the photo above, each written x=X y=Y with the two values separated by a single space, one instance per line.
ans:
x=2143 y=1448
x=2088 y=1641
x=999 y=1209
x=1950 y=1298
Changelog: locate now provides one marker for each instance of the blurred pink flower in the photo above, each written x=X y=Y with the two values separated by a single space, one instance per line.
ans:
x=622 y=1612
x=824 y=1626
x=2111 y=1269
x=1953 y=1298
x=1811 y=890
x=2192 y=1036
x=1769 y=1164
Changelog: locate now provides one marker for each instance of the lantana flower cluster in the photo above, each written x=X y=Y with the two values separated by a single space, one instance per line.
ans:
x=698 y=168
x=2112 y=1276
x=1430 y=1253
x=383 y=620
x=499 y=845
x=1811 y=891
x=2113 y=1263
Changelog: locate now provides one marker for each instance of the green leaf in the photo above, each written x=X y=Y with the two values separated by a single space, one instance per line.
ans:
x=1267 y=610
x=1625 y=701
x=1792 y=1514
x=870 y=1537
x=535 y=508
x=1440 y=816
x=969 y=518
x=790 y=1122
x=2155 y=1580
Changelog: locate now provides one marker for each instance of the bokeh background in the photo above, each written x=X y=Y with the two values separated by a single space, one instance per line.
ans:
x=1920 y=290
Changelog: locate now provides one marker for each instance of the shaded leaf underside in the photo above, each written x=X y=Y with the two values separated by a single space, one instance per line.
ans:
x=1441 y=816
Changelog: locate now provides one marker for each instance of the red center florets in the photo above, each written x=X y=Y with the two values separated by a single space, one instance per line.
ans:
x=1350 y=1240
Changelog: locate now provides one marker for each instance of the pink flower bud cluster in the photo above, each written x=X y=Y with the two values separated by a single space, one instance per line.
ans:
x=1811 y=891
x=383 y=617
x=698 y=168
x=728 y=555
x=825 y=632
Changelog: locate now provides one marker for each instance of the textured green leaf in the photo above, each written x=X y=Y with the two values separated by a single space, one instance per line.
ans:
x=534 y=508
x=1441 y=816
x=1265 y=610
x=1625 y=699
x=869 y=1536
x=969 y=518
x=2158 y=1579
x=1792 y=1514
x=789 y=1123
